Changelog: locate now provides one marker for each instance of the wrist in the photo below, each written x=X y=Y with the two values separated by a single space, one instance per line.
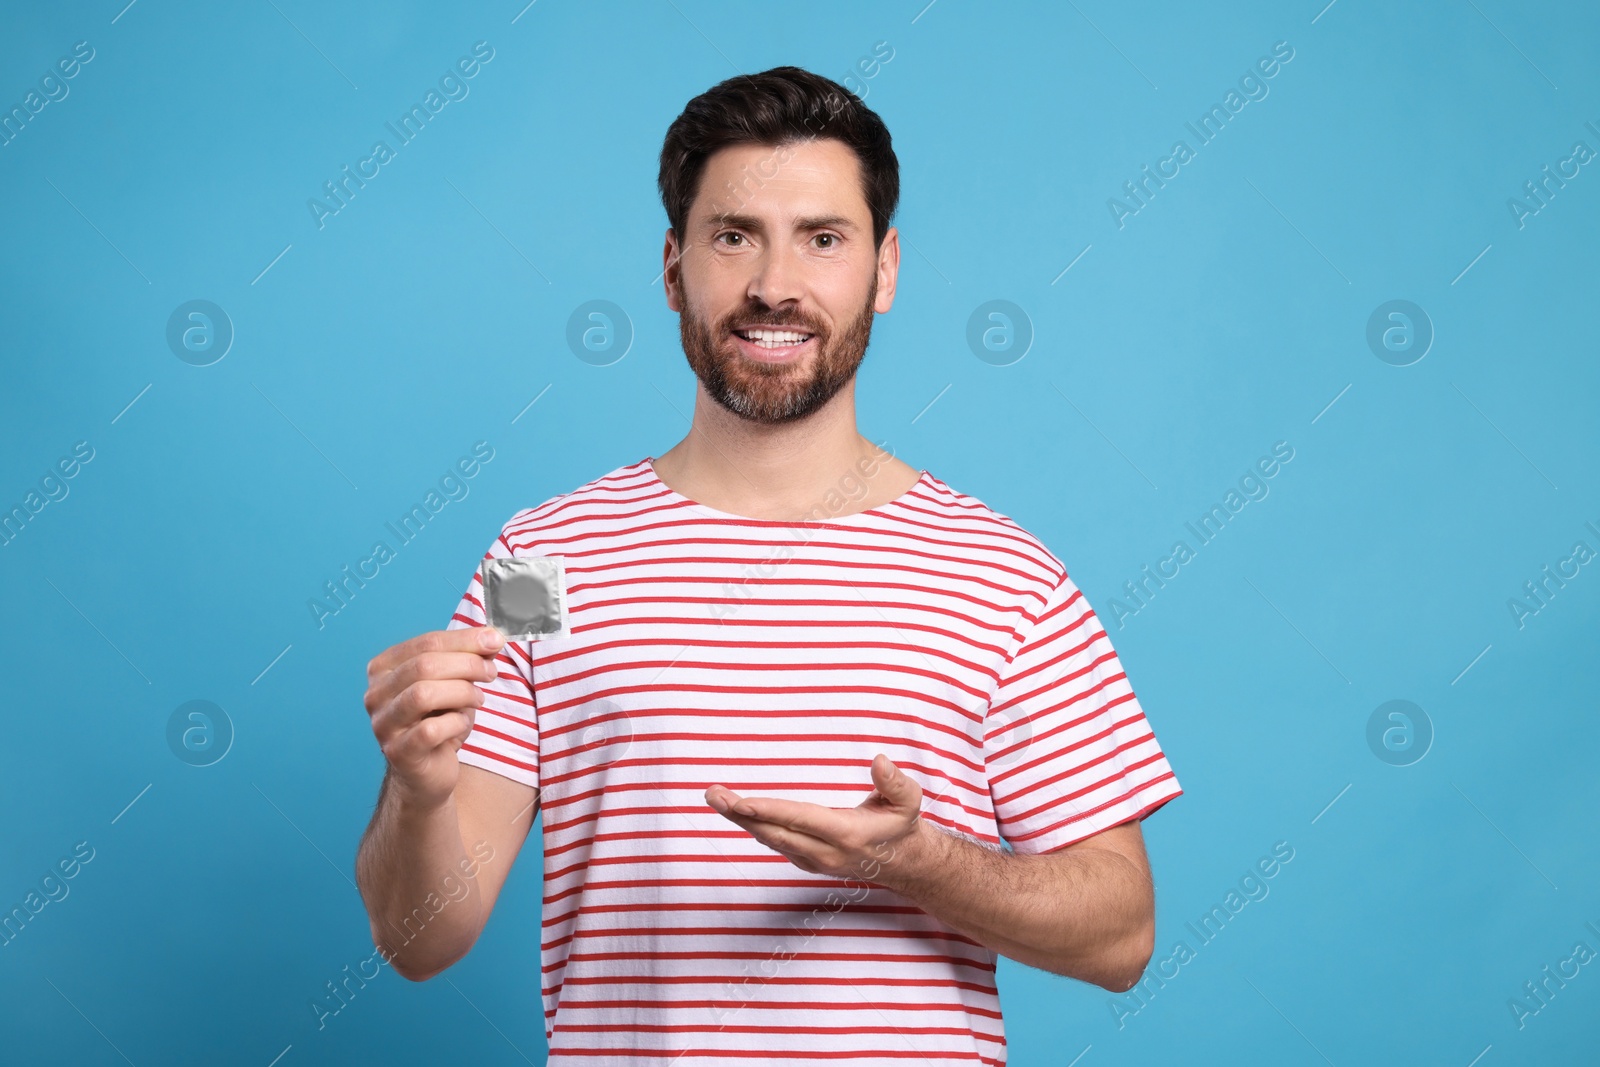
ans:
x=917 y=859
x=412 y=805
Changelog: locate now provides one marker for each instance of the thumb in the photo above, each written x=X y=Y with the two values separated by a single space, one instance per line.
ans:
x=892 y=782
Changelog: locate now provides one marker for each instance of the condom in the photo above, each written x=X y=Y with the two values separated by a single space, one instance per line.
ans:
x=525 y=597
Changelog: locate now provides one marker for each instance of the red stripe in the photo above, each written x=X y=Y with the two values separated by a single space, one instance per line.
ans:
x=640 y=955
x=1113 y=802
x=787 y=1051
x=764 y=692
x=830 y=739
x=863 y=716
x=961 y=565
x=1029 y=741
x=940 y=584
x=1140 y=814
x=1099 y=711
x=690 y=1028
x=1123 y=772
x=553 y=918
x=507 y=760
x=617 y=813
x=691 y=665
x=592 y=589
x=807 y=1006
x=631 y=605
x=764 y=931
x=1108 y=656
x=679 y=642
x=937 y=982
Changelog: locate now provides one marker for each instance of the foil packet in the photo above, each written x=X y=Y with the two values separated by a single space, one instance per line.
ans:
x=525 y=597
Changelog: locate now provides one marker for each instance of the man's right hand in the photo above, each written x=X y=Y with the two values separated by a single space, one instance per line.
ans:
x=422 y=701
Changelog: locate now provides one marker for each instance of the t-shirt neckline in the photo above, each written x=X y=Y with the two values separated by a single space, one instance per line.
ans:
x=654 y=479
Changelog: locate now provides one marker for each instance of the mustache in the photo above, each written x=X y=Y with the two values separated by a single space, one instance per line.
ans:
x=759 y=320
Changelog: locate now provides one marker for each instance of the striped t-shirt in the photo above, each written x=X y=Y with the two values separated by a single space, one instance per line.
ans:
x=777 y=658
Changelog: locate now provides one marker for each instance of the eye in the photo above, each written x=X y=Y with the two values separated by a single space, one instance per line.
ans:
x=728 y=233
x=830 y=237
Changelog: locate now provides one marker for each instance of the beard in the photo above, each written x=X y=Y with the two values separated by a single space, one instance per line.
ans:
x=774 y=392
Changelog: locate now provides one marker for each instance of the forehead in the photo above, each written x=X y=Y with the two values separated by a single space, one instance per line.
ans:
x=805 y=177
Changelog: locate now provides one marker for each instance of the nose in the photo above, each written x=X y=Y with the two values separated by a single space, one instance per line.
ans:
x=778 y=277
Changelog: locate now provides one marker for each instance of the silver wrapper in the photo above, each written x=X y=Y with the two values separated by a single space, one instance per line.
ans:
x=525 y=597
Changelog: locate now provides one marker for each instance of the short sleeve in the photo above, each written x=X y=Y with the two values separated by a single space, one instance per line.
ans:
x=1066 y=746
x=505 y=732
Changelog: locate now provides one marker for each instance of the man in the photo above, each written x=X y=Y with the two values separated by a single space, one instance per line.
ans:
x=808 y=690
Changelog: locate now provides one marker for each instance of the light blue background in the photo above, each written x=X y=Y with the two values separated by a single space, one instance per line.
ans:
x=1223 y=317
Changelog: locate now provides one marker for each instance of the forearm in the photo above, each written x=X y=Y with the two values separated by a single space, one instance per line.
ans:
x=411 y=867
x=1084 y=913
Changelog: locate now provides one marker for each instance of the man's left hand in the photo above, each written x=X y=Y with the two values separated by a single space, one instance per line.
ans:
x=839 y=842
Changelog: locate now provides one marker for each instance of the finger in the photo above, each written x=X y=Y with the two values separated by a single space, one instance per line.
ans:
x=721 y=797
x=464 y=639
x=479 y=667
x=896 y=786
x=458 y=739
x=789 y=842
x=813 y=820
x=417 y=743
x=447 y=728
x=766 y=831
x=471 y=666
x=421 y=700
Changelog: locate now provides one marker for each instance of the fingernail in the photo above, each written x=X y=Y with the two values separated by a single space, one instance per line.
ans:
x=489 y=638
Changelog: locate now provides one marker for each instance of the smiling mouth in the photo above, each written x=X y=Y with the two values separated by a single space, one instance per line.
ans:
x=774 y=338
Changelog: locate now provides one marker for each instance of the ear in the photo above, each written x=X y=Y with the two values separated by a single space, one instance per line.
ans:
x=888 y=270
x=671 y=275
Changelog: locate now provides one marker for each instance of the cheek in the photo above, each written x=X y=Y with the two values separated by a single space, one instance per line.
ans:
x=717 y=287
x=842 y=299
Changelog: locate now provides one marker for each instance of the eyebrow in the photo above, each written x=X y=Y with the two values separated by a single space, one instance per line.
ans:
x=750 y=222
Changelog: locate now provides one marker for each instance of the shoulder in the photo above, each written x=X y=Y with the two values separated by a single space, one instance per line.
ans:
x=599 y=501
x=993 y=538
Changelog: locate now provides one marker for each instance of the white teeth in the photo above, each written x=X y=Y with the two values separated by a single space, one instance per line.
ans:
x=773 y=338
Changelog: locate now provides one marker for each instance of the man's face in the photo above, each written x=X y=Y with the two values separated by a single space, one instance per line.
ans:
x=776 y=279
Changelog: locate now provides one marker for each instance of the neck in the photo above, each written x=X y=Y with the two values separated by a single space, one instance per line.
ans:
x=819 y=466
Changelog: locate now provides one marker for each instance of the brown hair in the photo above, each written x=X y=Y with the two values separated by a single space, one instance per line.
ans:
x=777 y=107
